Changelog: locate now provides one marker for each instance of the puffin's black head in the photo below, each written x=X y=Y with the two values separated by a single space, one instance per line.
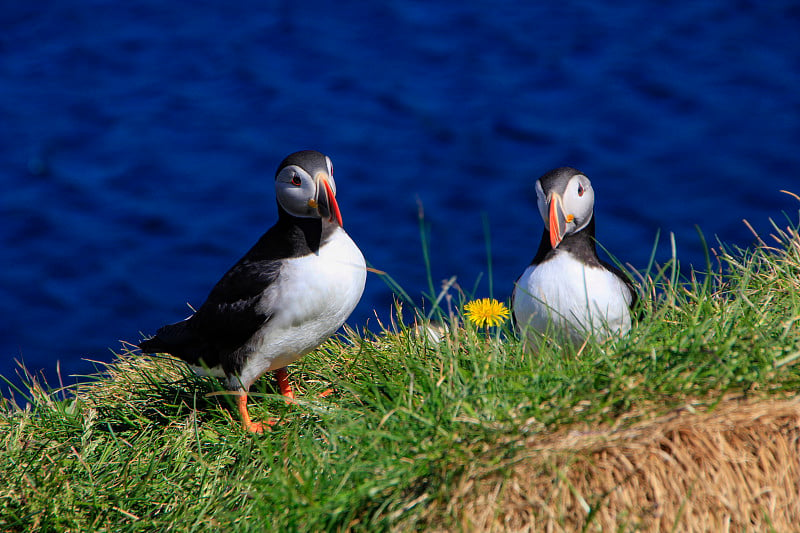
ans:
x=566 y=202
x=305 y=188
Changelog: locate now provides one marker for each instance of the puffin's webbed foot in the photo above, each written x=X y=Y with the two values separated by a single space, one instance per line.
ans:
x=249 y=425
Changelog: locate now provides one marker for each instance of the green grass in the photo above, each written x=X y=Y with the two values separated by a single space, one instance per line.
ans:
x=148 y=446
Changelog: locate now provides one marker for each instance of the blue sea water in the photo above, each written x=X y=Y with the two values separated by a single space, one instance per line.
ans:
x=139 y=140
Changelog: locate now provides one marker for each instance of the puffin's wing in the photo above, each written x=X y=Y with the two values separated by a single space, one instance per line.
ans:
x=238 y=305
x=234 y=310
x=626 y=279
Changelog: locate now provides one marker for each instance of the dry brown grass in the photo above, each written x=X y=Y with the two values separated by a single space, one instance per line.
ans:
x=735 y=467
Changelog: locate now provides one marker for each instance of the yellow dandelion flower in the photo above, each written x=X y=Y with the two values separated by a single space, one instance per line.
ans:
x=486 y=312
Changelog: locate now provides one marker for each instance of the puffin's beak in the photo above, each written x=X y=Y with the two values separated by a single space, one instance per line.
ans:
x=558 y=221
x=326 y=201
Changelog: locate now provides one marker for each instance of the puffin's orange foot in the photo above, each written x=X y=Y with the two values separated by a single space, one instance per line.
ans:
x=261 y=427
x=286 y=389
x=249 y=425
x=289 y=400
x=283 y=384
x=255 y=427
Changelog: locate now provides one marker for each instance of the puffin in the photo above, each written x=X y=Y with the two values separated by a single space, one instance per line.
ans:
x=568 y=290
x=290 y=292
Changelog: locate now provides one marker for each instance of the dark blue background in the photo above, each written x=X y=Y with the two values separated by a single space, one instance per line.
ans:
x=139 y=140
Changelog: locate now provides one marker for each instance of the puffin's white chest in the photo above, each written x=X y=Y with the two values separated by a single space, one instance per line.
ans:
x=311 y=299
x=575 y=298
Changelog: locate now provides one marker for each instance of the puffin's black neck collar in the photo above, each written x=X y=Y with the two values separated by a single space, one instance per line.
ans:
x=581 y=245
x=305 y=235
x=290 y=237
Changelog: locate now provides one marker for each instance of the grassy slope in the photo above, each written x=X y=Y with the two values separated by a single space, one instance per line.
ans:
x=147 y=448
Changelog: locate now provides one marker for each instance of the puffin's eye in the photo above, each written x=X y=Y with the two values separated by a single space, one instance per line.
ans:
x=581 y=190
x=296 y=180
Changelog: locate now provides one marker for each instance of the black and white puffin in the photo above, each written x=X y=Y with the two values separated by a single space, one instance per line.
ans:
x=567 y=290
x=285 y=297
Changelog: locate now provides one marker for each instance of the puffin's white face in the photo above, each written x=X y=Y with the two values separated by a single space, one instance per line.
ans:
x=565 y=210
x=305 y=195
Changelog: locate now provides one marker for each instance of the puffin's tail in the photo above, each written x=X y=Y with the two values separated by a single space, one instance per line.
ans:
x=154 y=345
x=177 y=339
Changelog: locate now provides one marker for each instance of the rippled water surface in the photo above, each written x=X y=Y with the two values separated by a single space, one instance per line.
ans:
x=138 y=143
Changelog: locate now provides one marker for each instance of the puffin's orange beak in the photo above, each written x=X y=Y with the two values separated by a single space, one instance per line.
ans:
x=557 y=219
x=334 y=206
x=327 y=202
